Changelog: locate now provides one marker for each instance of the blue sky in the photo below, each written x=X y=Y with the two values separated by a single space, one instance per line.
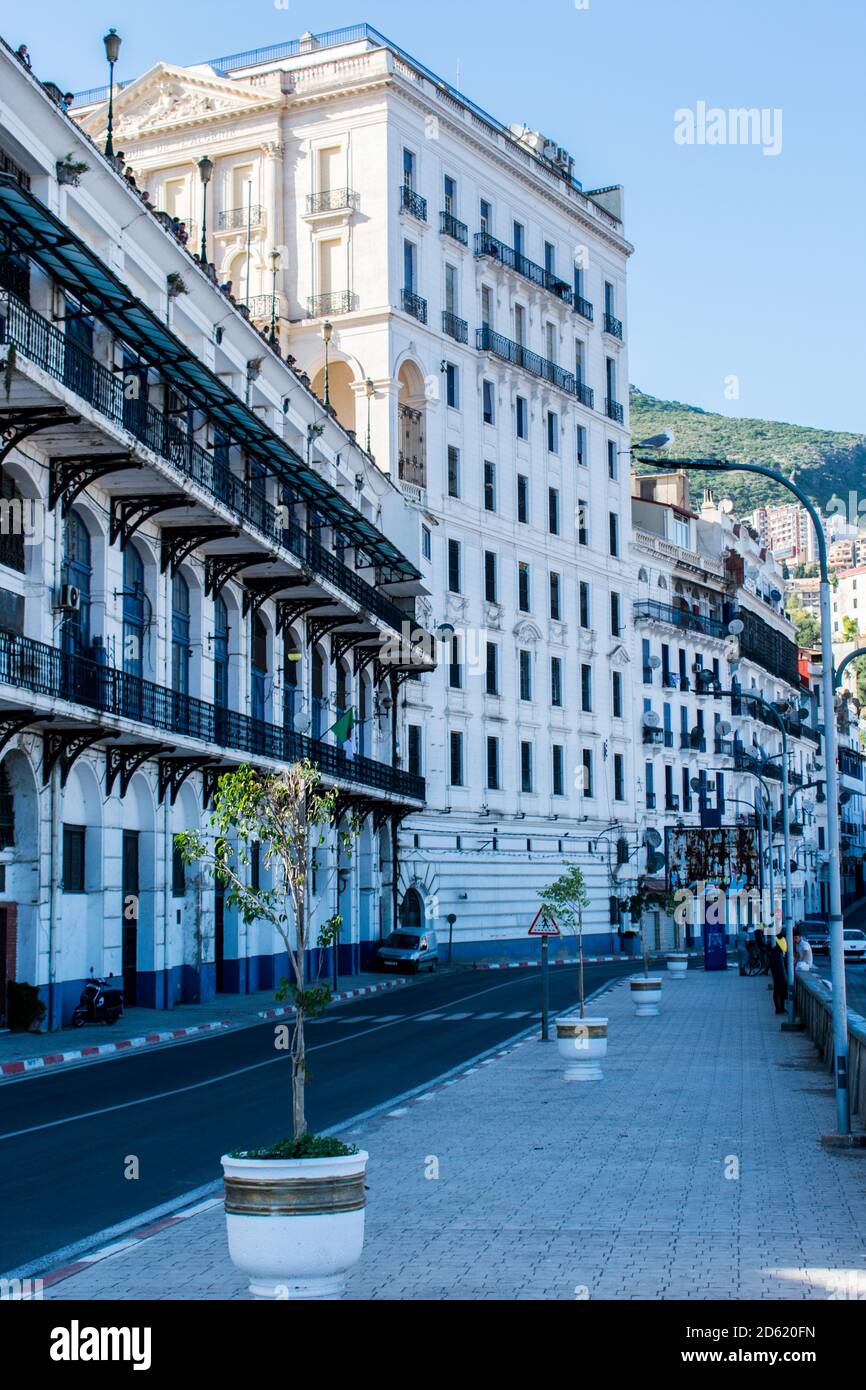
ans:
x=747 y=266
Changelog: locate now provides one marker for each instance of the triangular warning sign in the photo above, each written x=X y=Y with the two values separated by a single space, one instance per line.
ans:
x=544 y=924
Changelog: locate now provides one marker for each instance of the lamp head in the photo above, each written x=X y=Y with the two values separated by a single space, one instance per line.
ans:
x=205 y=169
x=112 y=43
x=327 y=330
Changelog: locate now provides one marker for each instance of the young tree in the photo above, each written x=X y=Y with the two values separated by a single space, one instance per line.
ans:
x=289 y=817
x=566 y=898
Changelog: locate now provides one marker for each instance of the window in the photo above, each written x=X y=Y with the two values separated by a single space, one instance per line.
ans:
x=453 y=471
x=486 y=304
x=586 y=688
x=455 y=669
x=582 y=521
x=522 y=417
x=73 y=858
x=552 y=432
x=489 y=486
x=609 y=299
x=618 y=777
x=456 y=760
x=488 y=399
x=611 y=458
x=178 y=871
x=492 y=670
x=525 y=767
x=615 y=615
x=525 y=668
x=555 y=604
x=452 y=302
x=452 y=385
x=550 y=341
x=616 y=694
x=17 y=513
x=686 y=789
x=553 y=510
x=579 y=361
x=454 y=566
x=582 y=457
x=255 y=865
x=493 y=764
x=426 y=542
x=519 y=325
x=647 y=669
x=613 y=528
x=449 y=193
x=415 y=759
x=583 y=600
x=558 y=761
x=586 y=762
x=409 y=266
x=518 y=232
x=550 y=258
x=522 y=498
x=556 y=681
x=650 y=791
x=681 y=532
x=491 y=588
x=485 y=215
x=408 y=168
x=523 y=587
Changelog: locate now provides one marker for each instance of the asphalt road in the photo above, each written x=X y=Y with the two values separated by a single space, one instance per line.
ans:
x=67 y=1139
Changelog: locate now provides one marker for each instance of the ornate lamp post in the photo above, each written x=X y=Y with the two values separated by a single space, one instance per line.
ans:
x=112 y=50
x=275 y=265
x=327 y=331
x=371 y=391
x=205 y=169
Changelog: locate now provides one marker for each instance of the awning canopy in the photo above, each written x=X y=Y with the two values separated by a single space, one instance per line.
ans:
x=29 y=226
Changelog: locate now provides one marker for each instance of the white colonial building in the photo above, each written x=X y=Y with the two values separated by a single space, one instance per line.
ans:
x=199 y=567
x=472 y=295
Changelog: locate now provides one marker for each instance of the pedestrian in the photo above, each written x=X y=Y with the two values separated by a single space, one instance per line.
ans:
x=803 y=952
x=742 y=949
x=23 y=56
x=779 y=974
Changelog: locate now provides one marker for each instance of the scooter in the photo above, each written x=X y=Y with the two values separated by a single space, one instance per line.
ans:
x=100 y=1002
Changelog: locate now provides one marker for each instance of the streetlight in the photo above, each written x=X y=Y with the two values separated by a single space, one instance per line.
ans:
x=112 y=43
x=275 y=265
x=327 y=331
x=205 y=169
x=837 y=941
x=371 y=391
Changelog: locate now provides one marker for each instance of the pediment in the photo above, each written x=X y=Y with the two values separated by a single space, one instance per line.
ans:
x=166 y=97
x=619 y=656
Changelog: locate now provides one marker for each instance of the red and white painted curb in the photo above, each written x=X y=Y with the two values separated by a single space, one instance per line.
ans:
x=23 y=1066
x=568 y=960
x=54 y=1276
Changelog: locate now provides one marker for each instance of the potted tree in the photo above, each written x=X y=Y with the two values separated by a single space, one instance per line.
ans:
x=582 y=1041
x=294 y=1207
x=645 y=989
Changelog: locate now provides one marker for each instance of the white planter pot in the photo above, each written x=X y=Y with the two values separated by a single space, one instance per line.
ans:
x=678 y=964
x=646 y=993
x=582 y=1043
x=295 y=1226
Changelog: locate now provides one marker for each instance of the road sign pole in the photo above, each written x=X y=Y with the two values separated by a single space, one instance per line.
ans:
x=545 y=986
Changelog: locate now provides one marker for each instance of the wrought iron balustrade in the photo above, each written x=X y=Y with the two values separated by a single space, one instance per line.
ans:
x=496 y=250
x=449 y=225
x=413 y=203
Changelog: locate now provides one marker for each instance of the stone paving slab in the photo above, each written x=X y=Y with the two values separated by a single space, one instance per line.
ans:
x=617 y=1190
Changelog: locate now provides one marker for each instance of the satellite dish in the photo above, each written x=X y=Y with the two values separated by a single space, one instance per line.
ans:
x=736 y=626
x=651 y=719
x=301 y=723
x=657 y=441
x=654 y=662
x=726 y=505
x=696 y=784
x=723 y=728
x=652 y=838
x=775 y=595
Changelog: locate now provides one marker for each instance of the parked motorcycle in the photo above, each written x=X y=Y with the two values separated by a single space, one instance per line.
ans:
x=100 y=1002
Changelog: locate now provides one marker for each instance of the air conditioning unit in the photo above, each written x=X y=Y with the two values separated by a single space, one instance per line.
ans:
x=69 y=598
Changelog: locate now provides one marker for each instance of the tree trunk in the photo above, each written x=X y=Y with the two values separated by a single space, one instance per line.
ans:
x=299 y=1066
x=580 y=954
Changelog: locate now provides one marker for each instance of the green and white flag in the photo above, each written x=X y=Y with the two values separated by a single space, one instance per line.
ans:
x=344 y=732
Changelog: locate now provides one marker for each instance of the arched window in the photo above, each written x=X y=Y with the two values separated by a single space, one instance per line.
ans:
x=7 y=810
x=258 y=667
x=411 y=910
x=12 y=517
x=220 y=653
x=291 y=666
x=642 y=575
x=180 y=635
x=318 y=692
x=342 y=692
x=77 y=570
x=134 y=612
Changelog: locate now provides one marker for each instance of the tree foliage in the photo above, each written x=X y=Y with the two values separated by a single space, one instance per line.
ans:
x=565 y=899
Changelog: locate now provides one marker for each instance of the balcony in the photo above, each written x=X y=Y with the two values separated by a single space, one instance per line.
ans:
x=335 y=302
x=650 y=800
x=413 y=203
x=585 y=394
x=613 y=326
x=451 y=226
x=456 y=328
x=41 y=343
x=583 y=307
x=695 y=743
x=650 y=610
x=490 y=246
x=519 y=356
x=233 y=219
x=332 y=200
x=261 y=306
x=672 y=801
x=613 y=410
x=415 y=305
x=48 y=671
x=652 y=736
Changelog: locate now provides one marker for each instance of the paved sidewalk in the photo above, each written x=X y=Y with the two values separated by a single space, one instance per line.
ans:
x=693 y=1170
x=25 y=1052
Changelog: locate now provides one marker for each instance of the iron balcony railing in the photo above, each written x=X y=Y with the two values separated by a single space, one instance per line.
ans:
x=415 y=305
x=650 y=610
x=262 y=306
x=519 y=356
x=336 y=302
x=583 y=307
x=487 y=245
x=413 y=203
x=613 y=326
x=654 y=735
x=613 y=410
x=747 y=762
x=42 y=343
x=851 y=764
x=585 y=394
x=332 y=200
x=449 y=225
x=45 y=670
x=650 y=799
x=234 y=218
x=455 y=327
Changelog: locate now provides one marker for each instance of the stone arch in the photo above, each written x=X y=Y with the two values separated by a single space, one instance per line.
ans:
x=412 y=400
x=341 y=393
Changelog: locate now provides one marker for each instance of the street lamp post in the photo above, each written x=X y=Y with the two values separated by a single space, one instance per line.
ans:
x=837 y=944
x=205 y=169
x=112 y=43
x=327 y=330
x=275 y=265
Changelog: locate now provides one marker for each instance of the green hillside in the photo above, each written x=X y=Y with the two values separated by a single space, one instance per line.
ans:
x=827 y=462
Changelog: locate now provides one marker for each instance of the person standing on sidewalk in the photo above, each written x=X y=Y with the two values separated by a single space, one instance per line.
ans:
x=742 y=949
x=779 y=974
x=803 y=952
